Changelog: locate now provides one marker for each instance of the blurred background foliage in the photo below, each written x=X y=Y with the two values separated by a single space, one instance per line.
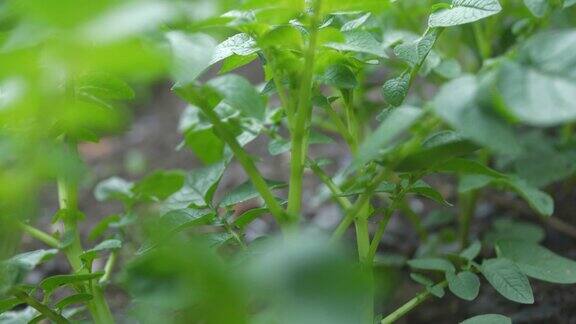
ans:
x=73 y=69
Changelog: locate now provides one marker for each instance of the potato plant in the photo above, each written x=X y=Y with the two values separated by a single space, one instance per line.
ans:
x=449 y=105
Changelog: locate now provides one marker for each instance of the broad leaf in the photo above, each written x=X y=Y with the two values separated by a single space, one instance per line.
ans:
x=113 y=188
x=463 y=12
x=465 y=285
x=199 y=187
x=246 y=191
x=463 y=113
x=107 y=245
x=192 y=54
x=434 y=264
x=395 y=123
x=240 y=44
x=159 y=185
x=539 y=88
x=538 y=262
x=359 y=42
x=488 y=319
x=508 y=280
x=240 y=94
x=538 y=7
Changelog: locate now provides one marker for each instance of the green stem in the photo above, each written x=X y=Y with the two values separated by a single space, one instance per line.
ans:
x=379 y=234
x=410 y=305
x=40 y=235
x=249 y=167
x=109 y=267
x=41 y=308
x=334 y=189
x=359 y=205
x=467 y=209
x=68 y=200
x=301 y=127
x=342 y=129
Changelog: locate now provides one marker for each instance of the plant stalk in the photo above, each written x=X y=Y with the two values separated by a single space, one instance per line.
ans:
x=68 y=200
x=410 y=305
x=301 y=126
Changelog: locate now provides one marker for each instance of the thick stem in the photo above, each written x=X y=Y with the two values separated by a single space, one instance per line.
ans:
x=41 y=308
x=68 y=200
x=301 y=127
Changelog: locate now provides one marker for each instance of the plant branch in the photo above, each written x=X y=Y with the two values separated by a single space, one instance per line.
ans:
x=408 y=306
x=41 y=308
x=39 y=235
x=249 y=167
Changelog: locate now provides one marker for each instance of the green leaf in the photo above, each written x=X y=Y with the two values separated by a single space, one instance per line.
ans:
x=355 y=23
x=29 y=260
x=176 y=220
x=538 y=7
x=436 y=150
x=395 y=123
x=100 y=86
x=488 y=319
x=508 y=280
x=199 y=187
x=240 y=44
x=205 y=144
x=463 y=12
x=73 y=299
x=539 y=88
x=246 y=191
x=159 y=185
x=249 y=216
x=472 y=251
x=416 y=51
x=192 y=54
x=423 y=189
x=359 y=41
x=463 y=113
x=236 y=61
x=538 y=262
x=465 y=166
x=9 y=303
x=540 y=201
x=508 y=229
x=395 y=90
x=107 y=245
x=103 y=225
x=338 y=76
x=113 y=189
x=434 y=264
x=240 y=94
x=465 y=285
x=52 y=283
